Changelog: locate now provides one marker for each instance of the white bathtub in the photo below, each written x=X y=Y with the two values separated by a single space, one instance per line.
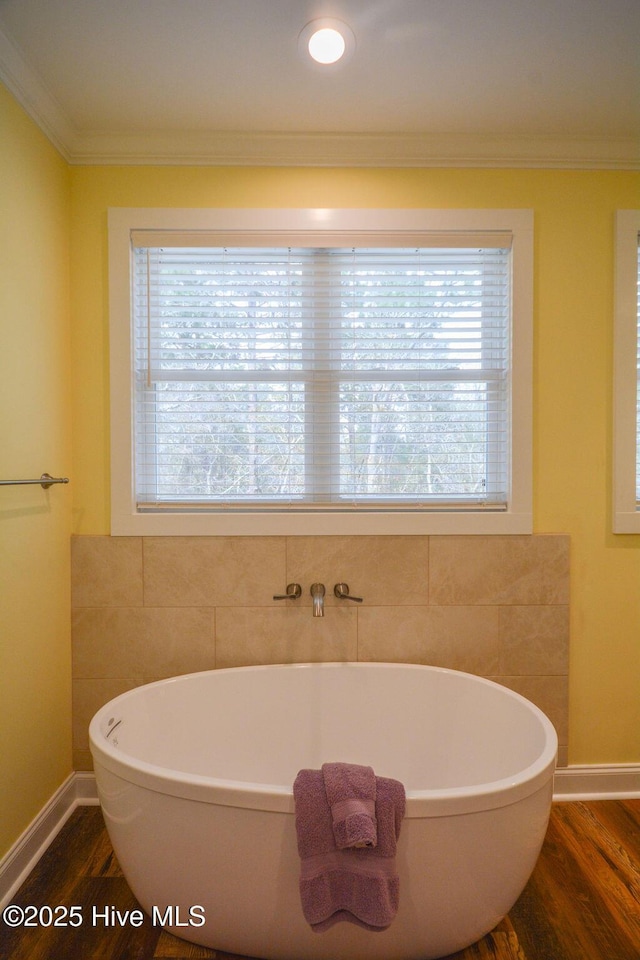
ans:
x=195 y=778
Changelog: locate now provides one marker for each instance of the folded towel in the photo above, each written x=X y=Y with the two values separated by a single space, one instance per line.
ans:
x=351 y=795
x=358 y=885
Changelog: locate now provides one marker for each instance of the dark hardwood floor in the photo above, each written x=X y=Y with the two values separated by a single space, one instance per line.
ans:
x=582 y=902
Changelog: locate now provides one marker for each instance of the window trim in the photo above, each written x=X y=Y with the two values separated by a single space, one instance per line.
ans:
x=626 y=516
x=516 y=519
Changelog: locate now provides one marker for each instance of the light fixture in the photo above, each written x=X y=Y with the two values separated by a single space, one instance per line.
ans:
x=326 y=45
x=326 y=41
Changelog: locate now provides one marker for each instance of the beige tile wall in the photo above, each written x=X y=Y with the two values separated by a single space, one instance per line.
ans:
x=147 y=608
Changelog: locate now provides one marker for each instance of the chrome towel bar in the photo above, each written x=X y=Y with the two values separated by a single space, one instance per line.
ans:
x=45 y=481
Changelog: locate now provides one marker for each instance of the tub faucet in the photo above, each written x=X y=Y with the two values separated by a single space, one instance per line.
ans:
x=317 y=592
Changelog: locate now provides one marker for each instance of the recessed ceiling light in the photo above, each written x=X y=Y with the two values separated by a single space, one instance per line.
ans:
x=326 y=41
x=326 y=45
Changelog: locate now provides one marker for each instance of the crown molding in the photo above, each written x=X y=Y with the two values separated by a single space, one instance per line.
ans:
x=228 y=148
x=357 y=150
x=32 y=95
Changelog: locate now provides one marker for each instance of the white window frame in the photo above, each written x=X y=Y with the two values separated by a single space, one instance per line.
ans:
x=516 y=519
x=626 y=516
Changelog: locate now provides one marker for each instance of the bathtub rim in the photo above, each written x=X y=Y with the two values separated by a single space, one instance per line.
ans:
x=448 y=801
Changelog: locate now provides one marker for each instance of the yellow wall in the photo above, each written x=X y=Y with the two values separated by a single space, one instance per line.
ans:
x=574 y=222
x=54 y=218
x=35 y=419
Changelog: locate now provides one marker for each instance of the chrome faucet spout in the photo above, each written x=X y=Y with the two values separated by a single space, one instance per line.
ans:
x=317 y=592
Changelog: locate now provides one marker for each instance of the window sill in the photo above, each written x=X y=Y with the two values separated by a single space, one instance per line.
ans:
x=357 y=523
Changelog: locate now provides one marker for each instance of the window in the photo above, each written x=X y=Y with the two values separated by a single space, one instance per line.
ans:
x=320 y=371
x=626 y=484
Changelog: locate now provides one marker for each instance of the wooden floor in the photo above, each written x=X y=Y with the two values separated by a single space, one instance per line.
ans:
x=582 y=902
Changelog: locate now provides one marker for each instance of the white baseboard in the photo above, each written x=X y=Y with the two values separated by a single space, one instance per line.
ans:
x=78 y=789
x=588 y=782
x=617 y=781
x=86 y=788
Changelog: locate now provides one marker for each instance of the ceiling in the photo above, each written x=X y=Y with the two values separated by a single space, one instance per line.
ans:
x=431 y=82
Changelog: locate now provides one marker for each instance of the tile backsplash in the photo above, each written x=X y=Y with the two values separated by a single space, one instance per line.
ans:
x=151 y=607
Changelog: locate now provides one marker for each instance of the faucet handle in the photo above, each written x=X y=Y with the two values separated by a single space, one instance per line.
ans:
x=341 y=591
x=294 y=592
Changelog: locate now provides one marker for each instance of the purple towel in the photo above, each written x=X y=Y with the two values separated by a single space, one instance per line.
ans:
x=351 y=795
x=358 y=885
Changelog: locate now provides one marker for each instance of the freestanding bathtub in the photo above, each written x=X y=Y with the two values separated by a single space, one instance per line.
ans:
x=195 y=778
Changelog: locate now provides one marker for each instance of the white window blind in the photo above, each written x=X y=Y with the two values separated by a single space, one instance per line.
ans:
x=321 y=377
